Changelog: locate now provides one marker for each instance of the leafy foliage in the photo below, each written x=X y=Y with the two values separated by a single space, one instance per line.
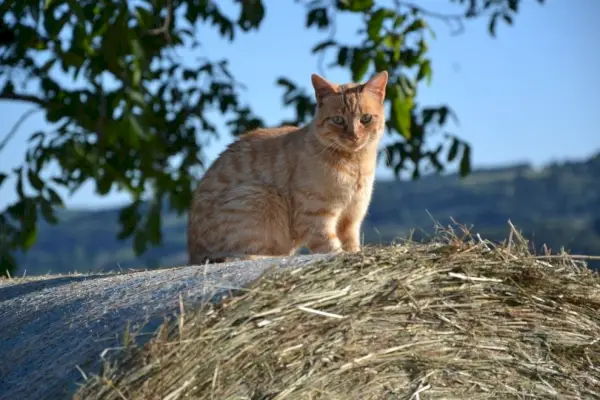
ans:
x=131 y=118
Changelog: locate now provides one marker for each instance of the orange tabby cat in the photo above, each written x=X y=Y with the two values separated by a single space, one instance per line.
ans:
x=275 y=190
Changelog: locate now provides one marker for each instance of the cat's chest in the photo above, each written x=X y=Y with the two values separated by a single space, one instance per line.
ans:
x=345 y=181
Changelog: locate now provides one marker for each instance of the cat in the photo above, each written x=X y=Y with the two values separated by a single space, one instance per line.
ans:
x=275 y=190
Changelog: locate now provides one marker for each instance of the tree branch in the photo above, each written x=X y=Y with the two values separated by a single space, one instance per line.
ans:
x=16 y=126
x=23 y=97
x=332 y=34
x=447 y=18
x=164 y=30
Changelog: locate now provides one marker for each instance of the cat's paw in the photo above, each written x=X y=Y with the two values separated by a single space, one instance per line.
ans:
x=353 y=248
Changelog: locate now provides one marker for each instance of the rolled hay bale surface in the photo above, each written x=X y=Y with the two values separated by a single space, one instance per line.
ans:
x=454 y=319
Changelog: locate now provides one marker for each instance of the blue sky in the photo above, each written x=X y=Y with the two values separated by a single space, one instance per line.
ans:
x=531 y=94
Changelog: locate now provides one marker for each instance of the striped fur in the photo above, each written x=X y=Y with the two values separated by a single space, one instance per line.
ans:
x=275 y=190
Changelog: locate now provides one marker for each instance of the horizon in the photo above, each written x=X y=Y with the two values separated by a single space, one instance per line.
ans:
x=449 y=174
x=553 y=120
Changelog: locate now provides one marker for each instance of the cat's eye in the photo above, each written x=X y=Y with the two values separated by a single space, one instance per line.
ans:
x=338 y=120
x=366 y=118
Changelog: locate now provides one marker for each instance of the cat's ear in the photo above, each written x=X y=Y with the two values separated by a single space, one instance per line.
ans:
x=322 y=86
x=377 y=84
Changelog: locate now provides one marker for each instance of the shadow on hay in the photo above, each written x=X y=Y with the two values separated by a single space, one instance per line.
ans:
x=12 y=291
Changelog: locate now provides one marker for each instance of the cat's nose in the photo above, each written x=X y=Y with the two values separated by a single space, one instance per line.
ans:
x=352 y=137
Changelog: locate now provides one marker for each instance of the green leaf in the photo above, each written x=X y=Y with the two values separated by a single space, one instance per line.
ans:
x=29 y=236
x=376 y=23
x=356 y=5
x=409 y=57
x=492 y=24
x=425 y=71
x=48 y=212
x=39 y=135
x=129 y=218
x=286 y=83
x=317 y=16
x=48 y=65
x=431 y=32
x=135 y=126
x=399 y=20
x=2 y=178
x=104 y=184
x=453 y=152
x=20 y=184
x=137 y=97
x=428 y=115
x=137 y=77
x=380 y=61
x=71 y=59
x=55 y=199
x=8 y=264
x=407 y=88
x=416 y=25
x=401 y=111
x=416 y=173
x=360 y=65
x=465 y=161
x=35 y=12
x=342 y=56
x=140 y=244
x=443 y=113
x=189 y=74
x=395 y=42
x=153 y=223
x=252 y=14
x=434 y=160
x=35 y=180
x=144 y=17
x=323 y=45
x=8 y=89
x=423 y=47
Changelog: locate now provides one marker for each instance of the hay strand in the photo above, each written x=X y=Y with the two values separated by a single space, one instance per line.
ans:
x=454 y=319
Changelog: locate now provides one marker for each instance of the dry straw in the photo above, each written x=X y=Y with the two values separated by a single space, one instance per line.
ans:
x=455 y=319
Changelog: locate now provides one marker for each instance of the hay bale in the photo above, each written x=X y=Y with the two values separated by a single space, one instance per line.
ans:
x=54 y=329
x=453 y=319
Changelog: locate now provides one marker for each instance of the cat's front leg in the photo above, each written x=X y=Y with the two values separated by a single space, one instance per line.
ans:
x=321 y=235
x=351 y=219
x=348 y=231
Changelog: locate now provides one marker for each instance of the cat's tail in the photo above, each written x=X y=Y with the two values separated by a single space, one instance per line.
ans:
x=199 y=254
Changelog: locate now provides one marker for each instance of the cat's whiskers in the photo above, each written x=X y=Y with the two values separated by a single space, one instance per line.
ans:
x=327 y=149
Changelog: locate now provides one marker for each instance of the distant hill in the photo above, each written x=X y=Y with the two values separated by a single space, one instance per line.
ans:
x=558 y=205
